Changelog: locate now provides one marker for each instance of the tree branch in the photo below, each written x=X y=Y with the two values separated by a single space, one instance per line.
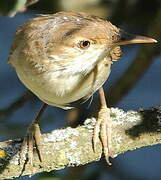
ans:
x=73 y=146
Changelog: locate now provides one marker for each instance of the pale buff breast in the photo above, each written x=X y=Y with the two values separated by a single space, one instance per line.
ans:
x=60 y=91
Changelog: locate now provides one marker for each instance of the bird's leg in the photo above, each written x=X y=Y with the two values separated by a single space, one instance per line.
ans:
x=103 y=127
x=33 y=137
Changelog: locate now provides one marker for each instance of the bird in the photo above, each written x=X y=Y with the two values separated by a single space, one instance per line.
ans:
x=66 y=57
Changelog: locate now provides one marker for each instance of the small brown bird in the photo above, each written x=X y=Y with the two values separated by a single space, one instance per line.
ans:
x=65 y=57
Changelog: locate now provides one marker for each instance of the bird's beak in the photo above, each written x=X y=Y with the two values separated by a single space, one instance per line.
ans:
x=126 y=38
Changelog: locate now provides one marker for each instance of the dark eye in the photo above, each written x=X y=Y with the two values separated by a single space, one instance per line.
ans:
x=84 y=44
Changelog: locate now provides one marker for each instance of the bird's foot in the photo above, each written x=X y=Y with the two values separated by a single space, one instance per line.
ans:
x=102 y=129
x=32 y=138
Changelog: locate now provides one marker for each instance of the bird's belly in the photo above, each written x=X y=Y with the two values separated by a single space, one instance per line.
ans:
x=51 y=90
x=60 y=91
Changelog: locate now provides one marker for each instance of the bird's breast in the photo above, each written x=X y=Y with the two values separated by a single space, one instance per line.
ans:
x=62 y=90
x=72 y=88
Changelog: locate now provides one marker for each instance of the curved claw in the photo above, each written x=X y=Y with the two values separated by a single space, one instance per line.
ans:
x=32 y=137
x=103 y=129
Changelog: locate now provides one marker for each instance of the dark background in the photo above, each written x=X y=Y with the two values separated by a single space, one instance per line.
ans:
x=134 y=82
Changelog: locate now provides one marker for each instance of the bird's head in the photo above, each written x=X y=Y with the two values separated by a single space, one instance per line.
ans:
x=82 y=40
x=73 y=42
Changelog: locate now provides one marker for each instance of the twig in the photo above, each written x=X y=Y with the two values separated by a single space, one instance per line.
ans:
x=17 y=104
x=73 y=146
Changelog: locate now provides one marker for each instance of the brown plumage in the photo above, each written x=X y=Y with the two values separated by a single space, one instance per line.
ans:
x=66 y=57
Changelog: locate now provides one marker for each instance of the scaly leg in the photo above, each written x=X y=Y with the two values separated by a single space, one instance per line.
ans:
x=103 y=127
x=32 y=137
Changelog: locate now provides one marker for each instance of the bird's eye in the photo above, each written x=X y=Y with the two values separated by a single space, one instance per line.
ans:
x=84 y=44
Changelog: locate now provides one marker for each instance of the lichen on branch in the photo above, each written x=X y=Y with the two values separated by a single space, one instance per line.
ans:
x=73 y=146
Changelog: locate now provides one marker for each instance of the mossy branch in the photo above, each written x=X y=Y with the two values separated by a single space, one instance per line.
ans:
x=73 y=146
